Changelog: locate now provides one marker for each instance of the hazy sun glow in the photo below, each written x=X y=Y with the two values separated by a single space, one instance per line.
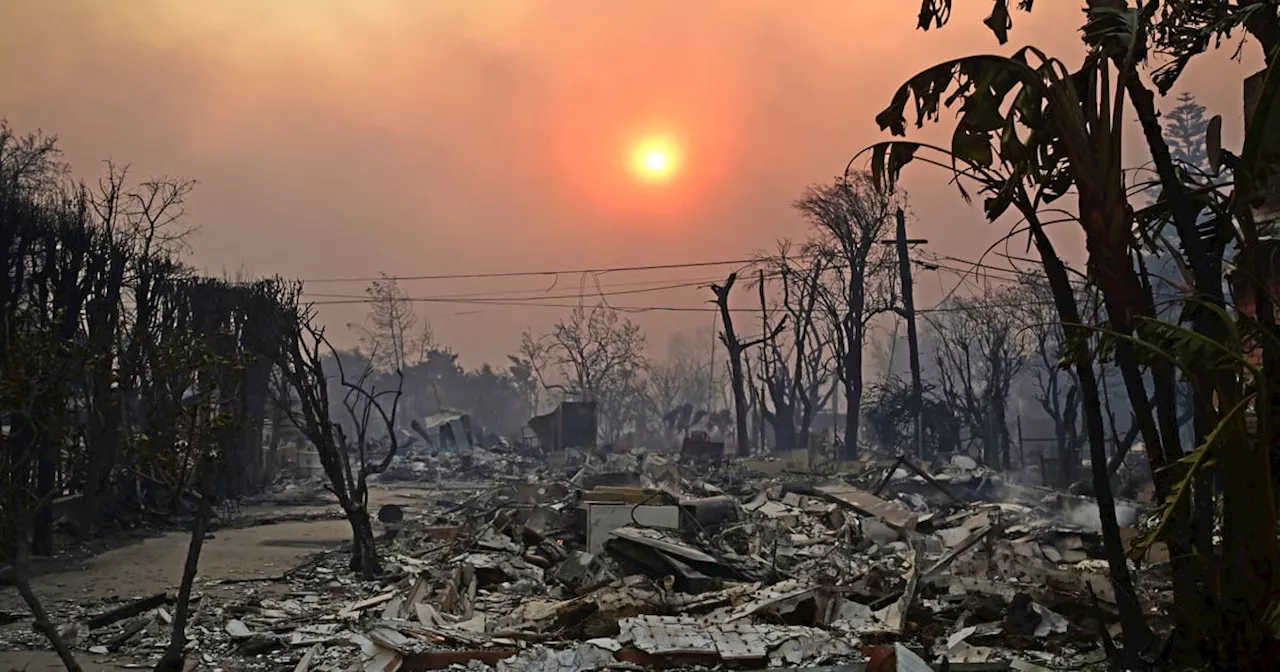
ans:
x=655 y=160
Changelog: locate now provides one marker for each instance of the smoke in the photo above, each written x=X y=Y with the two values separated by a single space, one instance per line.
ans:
x=1088 y=516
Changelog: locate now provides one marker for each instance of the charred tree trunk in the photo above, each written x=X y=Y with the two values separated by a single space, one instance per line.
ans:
x=736 y=376
x=1125 y=301
x=853 y=402
x=257 y=393
x=22 y=581
x=1137 y=636
x=364 y=553
x=174 y=655
x=781 y=420
x=103 y=431
x=808 y=403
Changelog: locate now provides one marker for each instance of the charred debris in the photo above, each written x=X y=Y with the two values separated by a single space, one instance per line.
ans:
x=515 y=557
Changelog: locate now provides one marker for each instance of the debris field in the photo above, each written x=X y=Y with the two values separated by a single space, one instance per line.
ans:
x=633 y=560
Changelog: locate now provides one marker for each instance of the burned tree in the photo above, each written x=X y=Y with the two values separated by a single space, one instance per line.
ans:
x=890 y=412
x=735 y=347
x=795 y=362
x=395 y=337
x=850 y=217
x=980 y=348
x=1057 y=385
x=348 y=461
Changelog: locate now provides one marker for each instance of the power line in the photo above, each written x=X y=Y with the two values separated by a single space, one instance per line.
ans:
x=488 y=299
x=524 y=274
x=686 y=282
x=956 y=309
x=987 y=267
x=501 y=300
x=528 y=304
x=1013 y=274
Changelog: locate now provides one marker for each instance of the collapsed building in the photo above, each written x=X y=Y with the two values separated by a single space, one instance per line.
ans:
x=627 y=559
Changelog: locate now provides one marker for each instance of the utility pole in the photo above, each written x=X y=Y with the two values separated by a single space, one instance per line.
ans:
x=908 y=313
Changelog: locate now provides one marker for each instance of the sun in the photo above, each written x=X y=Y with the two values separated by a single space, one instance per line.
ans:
x=655 y=160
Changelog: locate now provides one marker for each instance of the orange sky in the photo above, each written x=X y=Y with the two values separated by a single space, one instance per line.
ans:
x=334 y=138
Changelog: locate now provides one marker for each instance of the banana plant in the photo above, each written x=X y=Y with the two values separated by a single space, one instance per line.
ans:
x=1118 y=35
x=1030 y=132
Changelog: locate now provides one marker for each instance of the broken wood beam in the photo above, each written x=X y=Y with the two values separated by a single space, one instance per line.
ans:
x=964 y=545
x=888 y=476
x=128 y=610
x=908 y=463
x=131 y=629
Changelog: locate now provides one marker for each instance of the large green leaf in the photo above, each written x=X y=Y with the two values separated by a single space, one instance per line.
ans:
x=985 y=79
x=936 y=14
x=1118 y=30
x=1003 y=121
x=887 y=161
x=1186 y=28
x=1230 y=427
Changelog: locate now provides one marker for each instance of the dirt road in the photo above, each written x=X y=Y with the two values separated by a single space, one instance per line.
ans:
x=155 y=565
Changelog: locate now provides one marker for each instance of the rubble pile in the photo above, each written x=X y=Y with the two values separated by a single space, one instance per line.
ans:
x=419 y=463
x=635 y=560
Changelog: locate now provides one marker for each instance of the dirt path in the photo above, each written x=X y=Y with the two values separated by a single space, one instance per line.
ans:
x=155 y=565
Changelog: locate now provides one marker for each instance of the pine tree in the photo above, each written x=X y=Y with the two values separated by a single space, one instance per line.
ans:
x=1185 y=131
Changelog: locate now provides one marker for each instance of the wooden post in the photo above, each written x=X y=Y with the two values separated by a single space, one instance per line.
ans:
x=908 y=312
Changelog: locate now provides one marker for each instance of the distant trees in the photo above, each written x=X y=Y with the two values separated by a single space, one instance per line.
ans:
x=1186 y=128
x=981 y=346
x=396 y=342
x=594 y=355
x=697 y=371
x=1056 y=388
x=498 y=401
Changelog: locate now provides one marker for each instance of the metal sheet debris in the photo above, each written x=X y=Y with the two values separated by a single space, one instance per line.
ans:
x=603 y=519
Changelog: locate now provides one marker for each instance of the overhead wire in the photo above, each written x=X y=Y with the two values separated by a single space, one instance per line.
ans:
x=682 y=282
x=482 y=298
x=537 y=297
x=536 y=273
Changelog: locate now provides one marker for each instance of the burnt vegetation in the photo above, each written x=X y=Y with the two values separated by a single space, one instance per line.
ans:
x=134 y=391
